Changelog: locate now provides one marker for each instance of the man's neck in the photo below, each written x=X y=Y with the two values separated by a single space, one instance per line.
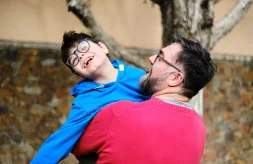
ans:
x=172 y=96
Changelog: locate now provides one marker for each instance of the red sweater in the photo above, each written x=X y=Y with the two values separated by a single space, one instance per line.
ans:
x=151 y=132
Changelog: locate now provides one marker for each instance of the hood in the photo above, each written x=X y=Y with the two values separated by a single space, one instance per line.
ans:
x=84 y=86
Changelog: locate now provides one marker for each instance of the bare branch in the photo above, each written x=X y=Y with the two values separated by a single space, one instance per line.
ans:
x=181 y=10
x=82 y=11
x=194 y=14
x=226 y=24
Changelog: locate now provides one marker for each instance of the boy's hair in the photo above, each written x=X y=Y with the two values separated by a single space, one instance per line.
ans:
x=69 y=40
x=197 y=64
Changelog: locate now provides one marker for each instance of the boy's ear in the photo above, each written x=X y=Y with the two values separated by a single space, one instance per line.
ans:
x=103 y=46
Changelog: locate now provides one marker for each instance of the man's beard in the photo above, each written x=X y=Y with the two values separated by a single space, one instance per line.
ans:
x=150 y=85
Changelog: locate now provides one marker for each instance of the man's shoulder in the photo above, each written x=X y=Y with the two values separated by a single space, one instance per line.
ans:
x=119 y=108
x=124 y=107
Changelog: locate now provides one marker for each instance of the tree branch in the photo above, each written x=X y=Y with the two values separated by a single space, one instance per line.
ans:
x=226 y=24
x=81 y=10
x=194 y=13
x=84 y=14
x=181 y=11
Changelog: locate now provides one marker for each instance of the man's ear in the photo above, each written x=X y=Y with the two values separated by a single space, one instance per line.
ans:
x=175 y=79
x=103 y=46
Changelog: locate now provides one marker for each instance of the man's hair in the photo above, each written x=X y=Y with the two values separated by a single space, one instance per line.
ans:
x=69 y=40
x=197 y=64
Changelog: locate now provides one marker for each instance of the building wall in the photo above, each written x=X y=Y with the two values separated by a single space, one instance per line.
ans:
x=130 y=22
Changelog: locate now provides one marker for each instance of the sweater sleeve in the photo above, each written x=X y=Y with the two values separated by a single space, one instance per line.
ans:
x=94 y=138
x=60 y=143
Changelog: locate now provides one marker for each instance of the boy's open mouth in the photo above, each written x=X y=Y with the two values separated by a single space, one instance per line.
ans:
x=88 y=60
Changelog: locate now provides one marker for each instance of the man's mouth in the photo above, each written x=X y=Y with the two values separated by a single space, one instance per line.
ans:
x=88 y=60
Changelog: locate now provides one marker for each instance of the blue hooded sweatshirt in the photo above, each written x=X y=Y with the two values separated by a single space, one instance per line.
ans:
x=90 y=98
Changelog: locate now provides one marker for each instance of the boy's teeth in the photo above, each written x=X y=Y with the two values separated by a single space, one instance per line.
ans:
x=87 y=60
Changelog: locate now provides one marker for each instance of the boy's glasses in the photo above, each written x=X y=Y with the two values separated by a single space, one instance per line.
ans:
x=82 y=47
x=168 y=63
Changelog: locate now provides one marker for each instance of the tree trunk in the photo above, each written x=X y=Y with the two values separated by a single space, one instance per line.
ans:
x=192 y=19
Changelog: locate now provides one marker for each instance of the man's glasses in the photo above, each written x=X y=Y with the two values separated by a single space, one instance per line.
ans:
x=159 y=57
x=82 y=47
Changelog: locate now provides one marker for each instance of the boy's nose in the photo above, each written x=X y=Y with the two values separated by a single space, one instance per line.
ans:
x=80 y=56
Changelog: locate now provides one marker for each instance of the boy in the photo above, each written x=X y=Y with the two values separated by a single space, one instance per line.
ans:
x=104 y=82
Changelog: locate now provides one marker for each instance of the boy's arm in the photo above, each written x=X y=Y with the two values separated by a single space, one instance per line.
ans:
x=60 y=143
x=95 y=136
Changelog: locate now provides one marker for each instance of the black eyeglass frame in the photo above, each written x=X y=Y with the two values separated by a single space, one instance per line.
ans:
x=168 y=63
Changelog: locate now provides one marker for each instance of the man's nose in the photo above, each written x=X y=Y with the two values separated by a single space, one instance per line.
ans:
x=152 y=59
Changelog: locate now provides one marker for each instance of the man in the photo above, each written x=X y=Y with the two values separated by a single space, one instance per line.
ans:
x=164 y=129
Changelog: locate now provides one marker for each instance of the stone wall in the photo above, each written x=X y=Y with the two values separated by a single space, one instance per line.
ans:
x=35 y=100
x=228 y=113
